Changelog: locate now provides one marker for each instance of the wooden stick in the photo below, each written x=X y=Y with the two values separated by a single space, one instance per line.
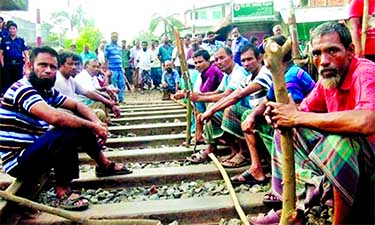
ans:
x=275 y=55
x=186 y=77
x=75 y=217
x=365 y=19
x=232 y=193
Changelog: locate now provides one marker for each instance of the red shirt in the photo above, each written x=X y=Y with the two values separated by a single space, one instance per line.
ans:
x=356 y=10
x=357 y=92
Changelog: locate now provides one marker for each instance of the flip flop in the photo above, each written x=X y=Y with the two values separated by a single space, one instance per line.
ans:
x=68 y=202
x=111 y=171
x=271 y=218
x=236 y=161
x=198 y=157
x=249 y=179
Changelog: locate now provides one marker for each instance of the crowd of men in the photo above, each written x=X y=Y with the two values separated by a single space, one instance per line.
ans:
x=332 y=118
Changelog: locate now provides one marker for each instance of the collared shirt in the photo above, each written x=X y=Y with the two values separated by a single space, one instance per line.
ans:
x=212 y=48
x=155 y=59
x=356 y=93
x=211 y=78
x=113 y=54
x=87 y=81
x=144 y=59
x=165 y=52
x=264 y=79
x=171 y=78
x=236 y=47
x=20 y=128
x=13 y=49
x=298 y=83
x=233 y=80
x=86 y=56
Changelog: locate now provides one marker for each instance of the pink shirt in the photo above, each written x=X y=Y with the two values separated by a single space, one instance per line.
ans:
x=357 y=92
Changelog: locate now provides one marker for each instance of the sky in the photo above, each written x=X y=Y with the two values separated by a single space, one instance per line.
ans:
x=126 y=17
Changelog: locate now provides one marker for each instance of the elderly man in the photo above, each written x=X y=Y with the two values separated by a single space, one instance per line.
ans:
x=28 y=148
x=334 y=128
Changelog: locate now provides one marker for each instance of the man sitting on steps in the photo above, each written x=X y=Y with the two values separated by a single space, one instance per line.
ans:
x=28 y=148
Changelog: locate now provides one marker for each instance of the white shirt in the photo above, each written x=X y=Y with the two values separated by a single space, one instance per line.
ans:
x=69 y=87
x=233 y=80
x=144 y=59
x=87 y=81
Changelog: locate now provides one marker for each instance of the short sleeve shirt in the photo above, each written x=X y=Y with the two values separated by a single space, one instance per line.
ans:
x=13 y=48
x=69 y=87
x=356 y=93
x=298 y=83
x=232 y=81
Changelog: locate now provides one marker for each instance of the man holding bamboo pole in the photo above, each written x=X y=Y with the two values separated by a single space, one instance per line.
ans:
x=333 y=129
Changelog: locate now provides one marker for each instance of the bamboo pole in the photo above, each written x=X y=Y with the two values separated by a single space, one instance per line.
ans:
x=296 y=53
x=74 y=217
x=365 y=19
x=186 y=77
x=232 y=193
x=275 y=54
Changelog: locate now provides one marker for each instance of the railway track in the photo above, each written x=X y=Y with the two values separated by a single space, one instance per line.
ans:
x=162 y=186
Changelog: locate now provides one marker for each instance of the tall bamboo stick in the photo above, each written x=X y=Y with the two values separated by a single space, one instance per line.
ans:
x=365 y=19
x=186 y=77
x=275 y=54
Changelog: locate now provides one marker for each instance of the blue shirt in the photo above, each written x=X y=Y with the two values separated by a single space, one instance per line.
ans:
x=113 y=54
x=171 y=79
x=298 y=83
x=236 y=49
x=19 y=128
x=165 y=52
x=13 y=49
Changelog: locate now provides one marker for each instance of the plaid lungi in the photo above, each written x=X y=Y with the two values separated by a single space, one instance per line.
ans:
x=232 y=120
x=212 y=128
x=332 y=157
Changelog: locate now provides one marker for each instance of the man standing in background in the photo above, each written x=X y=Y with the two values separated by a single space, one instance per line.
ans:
x=113 y=56
x=13 y=55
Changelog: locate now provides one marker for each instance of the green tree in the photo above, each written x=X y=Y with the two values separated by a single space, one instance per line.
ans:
x=168 y=22
x=75 y=19
x=89 y=35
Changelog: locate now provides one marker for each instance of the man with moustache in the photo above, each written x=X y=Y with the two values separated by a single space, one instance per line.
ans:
x=334 y=128
x=28 y=148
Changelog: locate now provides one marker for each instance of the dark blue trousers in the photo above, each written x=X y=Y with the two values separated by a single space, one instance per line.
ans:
x=58 y=148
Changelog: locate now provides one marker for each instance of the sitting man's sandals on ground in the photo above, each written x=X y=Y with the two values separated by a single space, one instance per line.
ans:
x=247 y=178
x=236 y=161
x=271 y=218
x=198 y=157
x=111 y=171
x=73 y=201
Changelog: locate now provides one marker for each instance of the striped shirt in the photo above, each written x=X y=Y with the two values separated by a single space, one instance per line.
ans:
x=19 y=128
x=298 y=84
x=113 y=54
x=264 y=79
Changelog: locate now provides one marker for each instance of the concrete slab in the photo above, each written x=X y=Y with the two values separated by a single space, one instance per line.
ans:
x=150 y=113
x=156 y=108
x=130 y=102
x=166 y=104
x=132 y=142
x=185 y=211
x=150 y=154
x=150 y=119
x=149 y=129
x=154 y=176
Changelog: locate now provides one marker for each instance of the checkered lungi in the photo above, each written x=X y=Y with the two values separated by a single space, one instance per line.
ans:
x=321 y=157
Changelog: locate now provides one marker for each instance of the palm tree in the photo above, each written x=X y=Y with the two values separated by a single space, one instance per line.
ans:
x=169 y=23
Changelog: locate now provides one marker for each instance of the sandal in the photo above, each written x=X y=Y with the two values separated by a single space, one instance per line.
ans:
x=249 y=179
x=111 y=171
x=70 y=202
x=271 y=218
x=198 y=157
x=271 y=200
x=236 y=161
x=226 y=157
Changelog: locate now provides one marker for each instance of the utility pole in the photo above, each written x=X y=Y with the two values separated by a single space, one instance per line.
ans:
x=38 y=29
